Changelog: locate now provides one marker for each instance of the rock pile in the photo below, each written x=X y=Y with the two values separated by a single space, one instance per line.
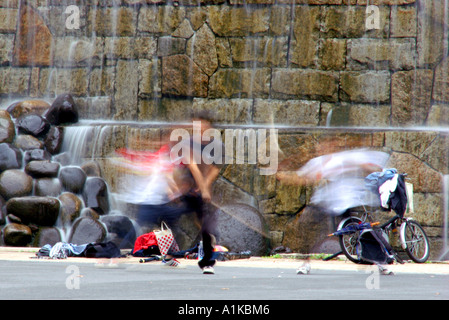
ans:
x=45 y=199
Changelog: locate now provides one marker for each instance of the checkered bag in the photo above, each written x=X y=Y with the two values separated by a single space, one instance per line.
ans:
x=166 y=240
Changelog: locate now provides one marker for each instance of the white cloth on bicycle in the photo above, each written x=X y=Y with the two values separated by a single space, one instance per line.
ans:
x=385 y=190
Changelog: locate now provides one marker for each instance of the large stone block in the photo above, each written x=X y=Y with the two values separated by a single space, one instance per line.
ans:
x=286 y=112
x=350 y=22
x=432 y=32
x=14 y=81
x=359 y=115
x=411 y=93
x=181 y=76
x=238 y=21
x=441 y=82
x=126 y=90
x=371 y=86
x=33 y=42
x=111 y=21
x=226 y=111
x=160 y=19
x=306 y=31
x=203 y=50
x=58 y=81
x=332 y=54
x=266 y=51
x=381 y=54
x=240 y=83
x=309 y=84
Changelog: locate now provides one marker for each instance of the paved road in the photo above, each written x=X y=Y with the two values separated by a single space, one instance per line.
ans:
x=246 y=280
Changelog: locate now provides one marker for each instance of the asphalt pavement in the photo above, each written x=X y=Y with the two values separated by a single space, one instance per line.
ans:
x=23 y=277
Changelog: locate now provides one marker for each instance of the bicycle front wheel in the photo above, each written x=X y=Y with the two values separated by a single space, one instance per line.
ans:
x=416 y=241
x=348 y=242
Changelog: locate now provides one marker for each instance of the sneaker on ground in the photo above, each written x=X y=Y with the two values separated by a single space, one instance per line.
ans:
x=304 y=269
x=170 y=263
x=384 y=271
x=208 y=270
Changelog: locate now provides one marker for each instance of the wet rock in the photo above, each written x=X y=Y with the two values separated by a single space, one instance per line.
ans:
x=70 y=207
x=91 y=168
x=242 y=228
x=120 y=230
x=63 y=158
x=47 y=187
x=89 y=213
x=15 y=183
x=32 y=124
x=62 y=110
x=10 y=157
x=42 y=211
x=53 y=141
x=17 y=235
x=21 y=108
x=2 y=211
x=95 y=195
x=42 y=169
x=28 y=142
x=7 y=129
x=36 y=154
x=72 y=178
x=47 y=235
x=86 y=230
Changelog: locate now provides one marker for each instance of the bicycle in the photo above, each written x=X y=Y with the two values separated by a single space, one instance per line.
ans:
x=413 y=238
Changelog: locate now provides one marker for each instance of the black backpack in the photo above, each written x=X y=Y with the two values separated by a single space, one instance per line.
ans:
x=374 y=248
x=102 y=250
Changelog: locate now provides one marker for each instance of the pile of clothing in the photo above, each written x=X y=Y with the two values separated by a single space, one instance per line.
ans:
x=391 y=189
x=63 y=250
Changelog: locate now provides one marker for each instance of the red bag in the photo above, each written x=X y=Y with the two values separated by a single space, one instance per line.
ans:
x=145 y=241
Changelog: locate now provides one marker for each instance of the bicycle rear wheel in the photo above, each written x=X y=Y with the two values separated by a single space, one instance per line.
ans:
x=348 y=242
x=417 y=243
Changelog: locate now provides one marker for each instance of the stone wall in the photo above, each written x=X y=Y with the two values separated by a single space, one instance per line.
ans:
x=156 y=60
x=255 y=62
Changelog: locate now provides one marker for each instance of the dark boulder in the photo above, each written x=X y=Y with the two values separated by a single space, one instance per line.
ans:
x=242 y=228
x=53 y=141
x=95 y=195
x=42 y=169
x=10 y=157
x=47 y=235
x=36 y=154
x=32 y=124
x=121 y=230
x=42 y=211
x=50 y=187
x=72 y=178
x=28 y=142
x=21 y=108
x=17 y=235
x=15 y=183
x=71 y=207
x=7 y=129
x=62 y=110
x=87 y=230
